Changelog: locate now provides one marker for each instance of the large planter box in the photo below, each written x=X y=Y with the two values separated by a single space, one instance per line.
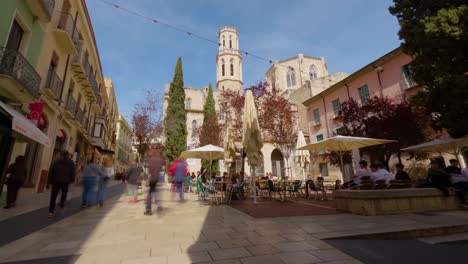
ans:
x=393 y=201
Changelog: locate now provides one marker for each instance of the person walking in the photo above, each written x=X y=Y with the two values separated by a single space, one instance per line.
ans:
x=61 y=174
x=102 y=181
x=179 y=170
x=16 y=175
x=152 y=182
x=90 y=174
x=133 y=180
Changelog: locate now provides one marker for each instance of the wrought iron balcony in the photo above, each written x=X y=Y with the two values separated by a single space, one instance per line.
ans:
x=79 y=114
x=15 y=66
x=42 y=9
x=71 y=105
x=54 y=84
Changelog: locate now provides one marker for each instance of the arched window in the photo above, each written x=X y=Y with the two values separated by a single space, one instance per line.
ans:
x=222 y=67
x=194 y=127
x=291 y=77
x=232 y=67
x=313 y=72
x=230 y=42
x=224 y=42
x=221 y=112
x=188 y=103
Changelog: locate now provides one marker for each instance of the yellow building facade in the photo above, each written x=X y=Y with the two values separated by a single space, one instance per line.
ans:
x=55 y=44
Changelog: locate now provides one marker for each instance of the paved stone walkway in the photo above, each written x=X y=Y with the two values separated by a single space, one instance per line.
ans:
x=193 y=232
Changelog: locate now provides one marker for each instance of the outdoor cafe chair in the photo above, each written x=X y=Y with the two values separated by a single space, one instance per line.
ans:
x=295 y=188
x=311 y=187
x=380 y=184
x=276 y=187
x=235 y=189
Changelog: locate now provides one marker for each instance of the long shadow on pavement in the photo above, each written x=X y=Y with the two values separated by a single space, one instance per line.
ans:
x=22 y=225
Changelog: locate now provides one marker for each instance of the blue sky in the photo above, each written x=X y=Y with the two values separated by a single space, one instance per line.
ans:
x=140 y=55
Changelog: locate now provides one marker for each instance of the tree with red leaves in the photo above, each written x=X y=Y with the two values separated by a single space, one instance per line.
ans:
x=381 y=117
x=276 y=115
x=146 y=123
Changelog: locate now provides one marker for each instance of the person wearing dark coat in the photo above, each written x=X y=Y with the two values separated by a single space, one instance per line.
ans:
x=16 y=175
x=61 y=174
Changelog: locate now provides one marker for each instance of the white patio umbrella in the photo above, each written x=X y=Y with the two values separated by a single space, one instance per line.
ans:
x=302 y=156
x=341 y=144
x=453 y=146
x=251 y=136
x=229 y=148
x=208 y=152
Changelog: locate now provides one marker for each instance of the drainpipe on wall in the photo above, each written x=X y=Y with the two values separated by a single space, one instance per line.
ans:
x=326 y=119
x=347 y=90
x=379 y=70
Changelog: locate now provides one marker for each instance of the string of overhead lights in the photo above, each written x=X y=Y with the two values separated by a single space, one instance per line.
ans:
x=181 y=30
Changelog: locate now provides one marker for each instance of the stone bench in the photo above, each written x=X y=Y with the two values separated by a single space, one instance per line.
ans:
x=393 y=201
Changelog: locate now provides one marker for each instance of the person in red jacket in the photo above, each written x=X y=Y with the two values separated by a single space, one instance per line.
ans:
x=178 y=170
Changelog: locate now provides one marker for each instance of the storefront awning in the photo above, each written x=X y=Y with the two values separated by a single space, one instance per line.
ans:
x=24 y=126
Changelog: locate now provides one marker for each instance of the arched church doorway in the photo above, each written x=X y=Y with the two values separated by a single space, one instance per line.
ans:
x=277 y=163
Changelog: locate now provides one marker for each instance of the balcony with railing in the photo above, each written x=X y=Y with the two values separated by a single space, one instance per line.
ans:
x=66 y=35
x=42 y=9
x=84 y=73
x=71 y=106
x=53 y=85
x=79 y=115
x=16 y=67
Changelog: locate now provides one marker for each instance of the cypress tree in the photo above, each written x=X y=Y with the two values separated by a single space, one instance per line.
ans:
x=210 y=130
x=175 y=128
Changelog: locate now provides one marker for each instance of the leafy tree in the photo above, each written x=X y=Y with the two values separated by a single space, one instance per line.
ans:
x=175 y=121
x=146 y=123
x=435 y=34
x=381 y=117
x=276 y=116
x=210 y=130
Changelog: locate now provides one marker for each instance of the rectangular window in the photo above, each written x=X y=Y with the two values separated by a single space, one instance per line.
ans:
x=15 y=37
x=406 y=74
x=319 y=137
x=316 y=116
x=340 y=131
x=323 y=169
x=97 y=130
x=336 y=106
x=363 y=94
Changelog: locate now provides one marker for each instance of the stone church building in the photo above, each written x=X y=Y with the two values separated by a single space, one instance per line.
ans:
x=299 y=78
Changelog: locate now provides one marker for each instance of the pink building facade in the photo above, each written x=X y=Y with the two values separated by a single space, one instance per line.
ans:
x=387 y=76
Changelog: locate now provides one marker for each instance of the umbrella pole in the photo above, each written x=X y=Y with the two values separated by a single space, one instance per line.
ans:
x=342 y=165
x=254 y=183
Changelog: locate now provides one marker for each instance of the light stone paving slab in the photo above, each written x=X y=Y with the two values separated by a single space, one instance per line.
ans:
x=262 y=250
x=266 y=259
x=195 y=257
x=199 y=246
x=152 y=260
x=293 y=246
x=62 y=246
x=229 y=253
x=330 y=255
x=298 y=258
x=233 y=243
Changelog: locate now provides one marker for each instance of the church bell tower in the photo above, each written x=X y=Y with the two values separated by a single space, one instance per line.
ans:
x=228 y=61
